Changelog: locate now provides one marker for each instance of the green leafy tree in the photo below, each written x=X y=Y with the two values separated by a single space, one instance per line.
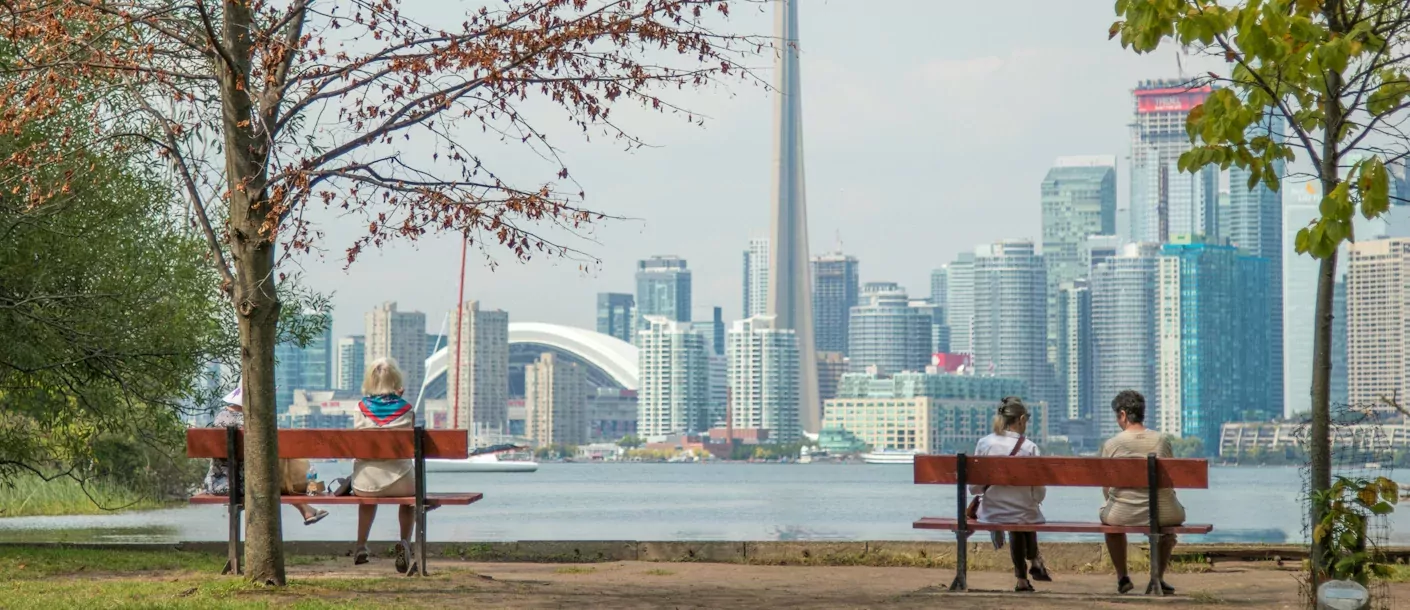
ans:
x=108 y=314
x=1337 y=70
x=1191 y=447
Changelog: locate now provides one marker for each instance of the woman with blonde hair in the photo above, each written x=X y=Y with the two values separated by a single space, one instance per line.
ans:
x=382 y=407
x=1004 y=504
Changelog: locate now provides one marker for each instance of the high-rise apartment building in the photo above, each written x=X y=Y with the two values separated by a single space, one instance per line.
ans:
x=959 y=303
x=304 y=368
x=1378 y=322
x=663 y=288
x=763 y=378
x=887 y=332
x=1339 y=393
x=1252 y=221
x=614 y=315
x=1078 y=201
x=1124 y=331
x=831 y=367
x=674 y=397
x=1074 y=348
x=836 y=290
x=1098 y=248
x=926 y=412
x=1011 y=316
x=556 y=401
x=1164 y=200
x=1212 y=350
x=349 y=363
x=400 y=335
x=479 y=355
x=940 y=297
x=756 y=278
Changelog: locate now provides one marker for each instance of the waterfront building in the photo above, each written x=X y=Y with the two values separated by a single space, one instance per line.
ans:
x=663 y=288
x=1378 y=322
x=1010 y=316
x=349 y=362
x=763 y=378
x=1164 y=200
x=1078 y=200
x=886 y=332
x=925 y=412
x=674 y=397
x=614 y=315
x=1124 y=331
x=400 y=335
x=556 y=401
x=1074 y=348
x=1098 y=248
x=836 y=290
x=1241 y=438
x=831 y=367
x=756 y=278
x=304 y=368
x=479 y=361
x=959 y=303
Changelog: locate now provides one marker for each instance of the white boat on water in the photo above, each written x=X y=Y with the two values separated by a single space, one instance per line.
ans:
x=889 y=456
x=487 y=462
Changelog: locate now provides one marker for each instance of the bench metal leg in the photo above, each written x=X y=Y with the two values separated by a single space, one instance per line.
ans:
x=961 y=582
x=1153 y=508
x=235 y=503
x=420 y=469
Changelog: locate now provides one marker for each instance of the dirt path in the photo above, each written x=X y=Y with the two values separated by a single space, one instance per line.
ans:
x=631 y=585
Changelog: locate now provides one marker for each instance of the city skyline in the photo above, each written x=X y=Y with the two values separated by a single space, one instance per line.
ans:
x=863 y=174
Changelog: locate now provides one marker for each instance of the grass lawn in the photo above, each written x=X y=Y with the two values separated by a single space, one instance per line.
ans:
x=48 y=578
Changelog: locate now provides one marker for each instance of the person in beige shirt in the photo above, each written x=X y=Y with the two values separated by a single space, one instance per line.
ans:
x=383 y=407
x=1130 y=506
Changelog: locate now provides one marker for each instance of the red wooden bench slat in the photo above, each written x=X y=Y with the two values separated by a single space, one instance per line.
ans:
x=446 y=499
x=943 y=523
x=360 y=444
x=1062 y=471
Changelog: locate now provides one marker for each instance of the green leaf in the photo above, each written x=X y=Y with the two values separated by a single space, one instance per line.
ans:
x=1303 y=242
x=1382 y=508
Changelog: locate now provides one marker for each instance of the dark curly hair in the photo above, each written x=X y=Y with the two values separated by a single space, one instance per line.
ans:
x=1132 y=404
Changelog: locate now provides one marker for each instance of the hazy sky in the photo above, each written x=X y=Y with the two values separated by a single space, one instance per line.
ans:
x=928 y=127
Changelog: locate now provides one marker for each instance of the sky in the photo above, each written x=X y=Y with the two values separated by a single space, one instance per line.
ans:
x=928 y=128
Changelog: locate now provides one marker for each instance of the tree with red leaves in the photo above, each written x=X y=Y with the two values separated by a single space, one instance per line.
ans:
x=265 y=108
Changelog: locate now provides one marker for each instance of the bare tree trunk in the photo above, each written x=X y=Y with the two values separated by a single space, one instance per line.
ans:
x=258 y=314
x=1320 y=445
x=256 y=304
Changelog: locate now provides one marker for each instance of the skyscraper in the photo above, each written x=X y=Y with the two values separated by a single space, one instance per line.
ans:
x=1124 y=331
x=1378 y=322
x=556 y=401
x=349 y=363
x=790 y=296
x=674 y=397
x=887 y=332
x=1209 y=357
x=1074 y=348
x=1079 y=200
x=763 y=378
x=400 y=335
x=756 y=278
x=663 y=288
x=836 y=288
x=1253 y=222
x=479 y=353
x=940 y=296
x=959 y=303
x=614 y=315
x=1165 y=201
x=1010 y=316
x=304 y=368
x=1339 y=392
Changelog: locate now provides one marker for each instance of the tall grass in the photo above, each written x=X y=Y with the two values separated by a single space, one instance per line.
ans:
x=28 y=495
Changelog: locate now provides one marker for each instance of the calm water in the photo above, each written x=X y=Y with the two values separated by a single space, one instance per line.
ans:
x=705 y=502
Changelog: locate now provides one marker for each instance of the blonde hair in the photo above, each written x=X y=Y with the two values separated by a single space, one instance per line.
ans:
x=383 y=377
x=1011 y=411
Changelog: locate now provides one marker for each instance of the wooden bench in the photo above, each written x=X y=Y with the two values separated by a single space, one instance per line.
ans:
x=1150 y=473
x=415 y=444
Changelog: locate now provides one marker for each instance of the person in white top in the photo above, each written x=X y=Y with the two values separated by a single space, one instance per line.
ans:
x=1003 y=504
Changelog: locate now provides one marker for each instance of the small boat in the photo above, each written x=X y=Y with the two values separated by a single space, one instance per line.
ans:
x=890 y=456
x=804 y=456
x=486 y=459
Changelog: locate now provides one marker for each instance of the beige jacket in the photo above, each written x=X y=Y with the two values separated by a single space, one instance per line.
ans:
x=372 y=476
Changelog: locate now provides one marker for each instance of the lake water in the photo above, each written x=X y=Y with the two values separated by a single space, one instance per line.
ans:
x=733 y=501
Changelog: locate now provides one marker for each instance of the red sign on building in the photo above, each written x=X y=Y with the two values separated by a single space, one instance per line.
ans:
x=1170 y=100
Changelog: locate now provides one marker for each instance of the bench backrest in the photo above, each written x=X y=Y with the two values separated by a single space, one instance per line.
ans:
x=319 y=443
x=1062 y=471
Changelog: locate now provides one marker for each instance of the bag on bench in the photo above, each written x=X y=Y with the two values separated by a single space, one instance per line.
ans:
x=972 y=511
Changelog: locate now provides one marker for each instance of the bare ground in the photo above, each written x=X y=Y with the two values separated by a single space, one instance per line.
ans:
x=709 y=585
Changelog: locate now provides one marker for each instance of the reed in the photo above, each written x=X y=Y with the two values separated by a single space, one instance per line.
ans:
x=28 y=495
